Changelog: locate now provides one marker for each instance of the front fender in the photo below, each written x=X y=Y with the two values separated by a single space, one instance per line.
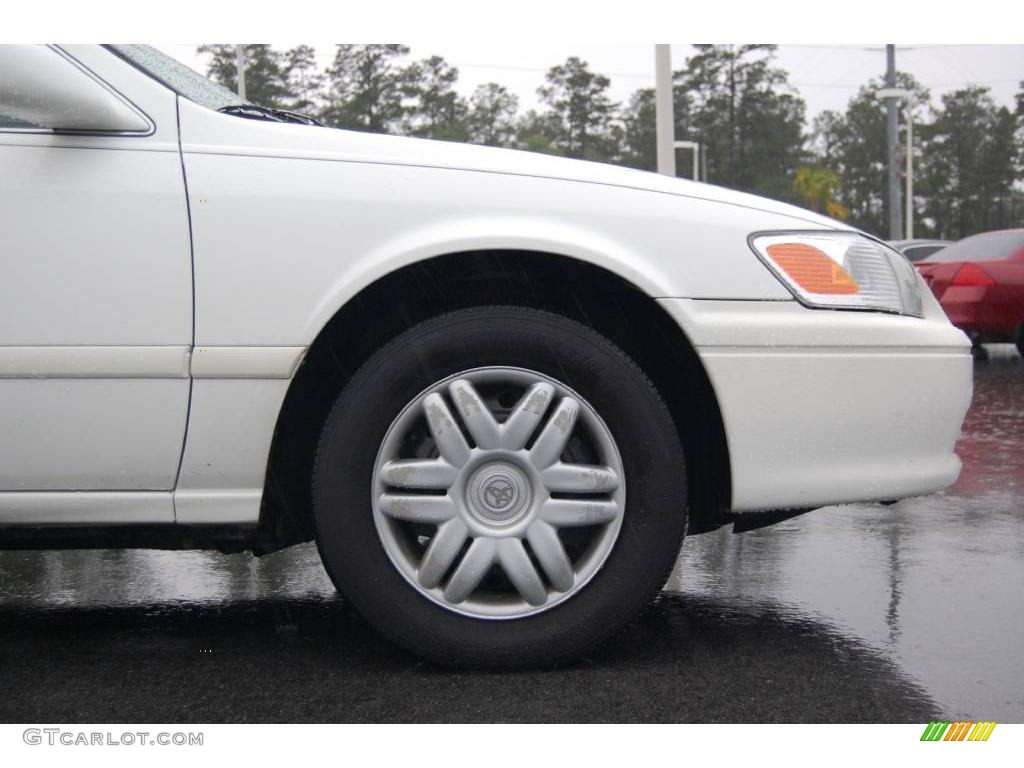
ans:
x=281 y=243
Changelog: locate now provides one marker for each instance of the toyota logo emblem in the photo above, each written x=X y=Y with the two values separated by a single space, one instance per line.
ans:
x=499 y=493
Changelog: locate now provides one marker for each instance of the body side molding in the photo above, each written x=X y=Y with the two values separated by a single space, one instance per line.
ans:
x=85 y=507
x=94 y=362
x=245 y=362
x=148 y=362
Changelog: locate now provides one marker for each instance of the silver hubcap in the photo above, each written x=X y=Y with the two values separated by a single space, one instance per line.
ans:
x=498 y=492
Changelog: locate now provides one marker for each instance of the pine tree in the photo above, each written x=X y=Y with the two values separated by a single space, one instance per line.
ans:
x=303 y=80
x=491 y=118
x=366 y=88
x=578 y=103
x=853 y=144
x=265 y=76
x=639 y=139
x=540 y=132
x=436 y=111
x=639 y=131
x=969 y=171
x=747 y=116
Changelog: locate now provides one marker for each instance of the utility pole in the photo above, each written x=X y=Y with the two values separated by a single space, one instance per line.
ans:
x=892 y=138
x=902 y=94
x=910 y=168
x=240 y=68
x=664 y=117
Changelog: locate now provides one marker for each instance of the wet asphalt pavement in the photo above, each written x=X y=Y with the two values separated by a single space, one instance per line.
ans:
x=858 y=613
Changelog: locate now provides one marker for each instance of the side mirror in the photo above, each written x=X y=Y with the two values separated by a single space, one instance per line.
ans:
x=42 y=88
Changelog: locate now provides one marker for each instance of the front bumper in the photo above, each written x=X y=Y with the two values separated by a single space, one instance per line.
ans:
x=823 y=407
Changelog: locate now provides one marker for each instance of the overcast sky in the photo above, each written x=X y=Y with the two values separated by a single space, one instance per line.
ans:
x=827 y=76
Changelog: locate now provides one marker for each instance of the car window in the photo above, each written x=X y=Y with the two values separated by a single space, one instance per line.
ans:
x=990 y=246
x=176 y=76
x=918 y=252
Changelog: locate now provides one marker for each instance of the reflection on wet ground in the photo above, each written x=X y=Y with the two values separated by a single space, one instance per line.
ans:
x=857 y=613
x=936 y=584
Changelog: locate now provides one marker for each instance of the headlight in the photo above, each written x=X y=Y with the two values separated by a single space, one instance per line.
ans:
x=840 y=270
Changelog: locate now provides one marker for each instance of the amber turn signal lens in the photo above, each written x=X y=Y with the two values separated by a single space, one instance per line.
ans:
x=812 y=269
x=839 y=269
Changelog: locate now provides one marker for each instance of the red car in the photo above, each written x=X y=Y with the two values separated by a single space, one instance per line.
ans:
x=980 y=283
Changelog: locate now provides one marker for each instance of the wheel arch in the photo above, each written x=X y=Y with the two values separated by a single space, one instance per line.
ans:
x=594 y=295
x=460 y=237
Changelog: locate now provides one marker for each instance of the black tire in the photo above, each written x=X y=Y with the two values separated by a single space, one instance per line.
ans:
x=654 y=521
x=978 y=350
x=1018 y=338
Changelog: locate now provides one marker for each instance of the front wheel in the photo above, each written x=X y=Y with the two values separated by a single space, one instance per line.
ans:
x=499 y=486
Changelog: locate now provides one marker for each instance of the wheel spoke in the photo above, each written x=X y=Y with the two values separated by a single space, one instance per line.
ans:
x=477 y=560
x=477 y=416
x=579 y=478
x=567 y=513
x=444 y=546
x=551 y=554
x=416 y=508
x=521 y=571
x=555 y=434
x=525 y=417
x=427 y=474
x=450 y=442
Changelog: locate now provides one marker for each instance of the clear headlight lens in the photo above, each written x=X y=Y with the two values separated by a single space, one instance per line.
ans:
x=841 y=270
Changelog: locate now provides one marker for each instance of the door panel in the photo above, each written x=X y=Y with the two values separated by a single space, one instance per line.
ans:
x=91 y=434
x=95 y=247
x=96 y=255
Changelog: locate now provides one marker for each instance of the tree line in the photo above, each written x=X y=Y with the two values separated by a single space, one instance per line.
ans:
x=733 y=99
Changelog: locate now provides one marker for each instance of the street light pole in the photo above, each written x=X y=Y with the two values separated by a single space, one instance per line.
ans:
x=892 y=137
x=664 y=118
x=901 y=94
x=240 y=69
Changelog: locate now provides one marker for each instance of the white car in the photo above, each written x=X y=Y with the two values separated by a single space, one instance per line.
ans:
x=495 y=387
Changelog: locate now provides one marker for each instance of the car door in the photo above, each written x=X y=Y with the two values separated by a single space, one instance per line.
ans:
x=95 y=294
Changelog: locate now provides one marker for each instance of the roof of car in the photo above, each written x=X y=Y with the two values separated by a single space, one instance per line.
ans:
x=897 y=244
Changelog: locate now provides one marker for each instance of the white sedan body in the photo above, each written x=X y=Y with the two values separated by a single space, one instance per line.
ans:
x=164 y=283
x=160 y=290
x=162 y=287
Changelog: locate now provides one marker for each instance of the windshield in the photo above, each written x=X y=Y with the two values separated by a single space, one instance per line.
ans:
x=989 y=246
x=177 y=76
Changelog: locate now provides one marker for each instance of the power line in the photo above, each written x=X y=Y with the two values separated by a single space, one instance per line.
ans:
x=928 y=84
x=515 y=68
x=650 y=76
x=855 y=47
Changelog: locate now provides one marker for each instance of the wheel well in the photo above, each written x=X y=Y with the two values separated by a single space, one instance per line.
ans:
x=590 y=294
